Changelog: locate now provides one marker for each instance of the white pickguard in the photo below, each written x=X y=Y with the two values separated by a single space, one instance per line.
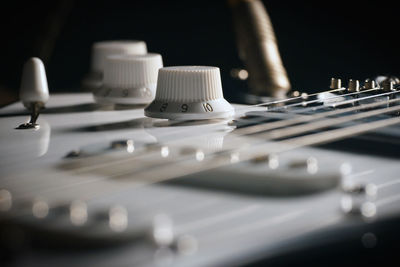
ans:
x=226 y=227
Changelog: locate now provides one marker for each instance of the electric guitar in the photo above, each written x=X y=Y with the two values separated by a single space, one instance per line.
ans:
x=105 y=185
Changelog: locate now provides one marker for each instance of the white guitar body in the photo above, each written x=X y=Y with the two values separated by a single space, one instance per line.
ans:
x=109 y=181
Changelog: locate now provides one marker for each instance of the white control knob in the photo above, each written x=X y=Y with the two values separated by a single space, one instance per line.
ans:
x=129 y=79
x=34 y=87
x=101 y=50
x=189 y=93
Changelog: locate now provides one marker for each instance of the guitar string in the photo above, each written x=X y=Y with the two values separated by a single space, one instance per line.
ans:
x=257 y=128
x=168 y=173
x=264 y=124
x=312 y=140
x=305 y=103
x=175 y=161
x=301 y=129
x=337 y=104
x=305 y=118
x=331 y=139
x=310 y=118
x=301 y=97
x=344 y=95
x=317 y=138
x=302 y=103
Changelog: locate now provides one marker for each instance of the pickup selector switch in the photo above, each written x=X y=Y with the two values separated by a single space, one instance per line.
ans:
x=34 y=91
x=189 y=93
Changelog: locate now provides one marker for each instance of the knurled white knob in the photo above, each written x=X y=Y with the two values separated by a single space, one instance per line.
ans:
x=129 y=79
x=189 y=93
x=101 y=50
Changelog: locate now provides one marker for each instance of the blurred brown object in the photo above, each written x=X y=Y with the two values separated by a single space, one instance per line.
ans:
x=7 y=96
x=258 y=48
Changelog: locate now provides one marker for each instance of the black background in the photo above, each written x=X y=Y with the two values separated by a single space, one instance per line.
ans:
x=317 y=39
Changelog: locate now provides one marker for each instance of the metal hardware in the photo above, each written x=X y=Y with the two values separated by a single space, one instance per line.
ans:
x=35 y=111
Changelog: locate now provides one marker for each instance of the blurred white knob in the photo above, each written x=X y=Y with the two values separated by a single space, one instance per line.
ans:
x=189 y=93
x=129 y=79
x=34 y=89
x=101 y=50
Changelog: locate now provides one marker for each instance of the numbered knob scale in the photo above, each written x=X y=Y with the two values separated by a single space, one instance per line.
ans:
x=189 y=93
x=129 y=79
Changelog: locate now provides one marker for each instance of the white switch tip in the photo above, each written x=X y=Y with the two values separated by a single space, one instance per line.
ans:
x=34 y=88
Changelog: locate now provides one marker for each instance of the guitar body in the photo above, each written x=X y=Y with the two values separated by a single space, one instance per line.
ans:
x=107 y=186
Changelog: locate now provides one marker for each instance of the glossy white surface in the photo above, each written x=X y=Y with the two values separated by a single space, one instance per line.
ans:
x=228 y=227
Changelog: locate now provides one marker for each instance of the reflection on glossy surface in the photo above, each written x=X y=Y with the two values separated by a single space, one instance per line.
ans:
x=206 y=134
x=40 y=208
x=43 y=138
x=113 y=126
x=25 y=145
x=164 y=151
x=98 y=149
x=5 y=200
x=78 y=213
x=118 y=218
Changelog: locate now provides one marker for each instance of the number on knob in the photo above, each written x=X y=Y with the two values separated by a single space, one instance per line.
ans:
x=184 y=108
x=207 y=107
x=163 y=107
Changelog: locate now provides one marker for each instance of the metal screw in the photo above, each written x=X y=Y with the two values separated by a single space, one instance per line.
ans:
x=353 y=86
